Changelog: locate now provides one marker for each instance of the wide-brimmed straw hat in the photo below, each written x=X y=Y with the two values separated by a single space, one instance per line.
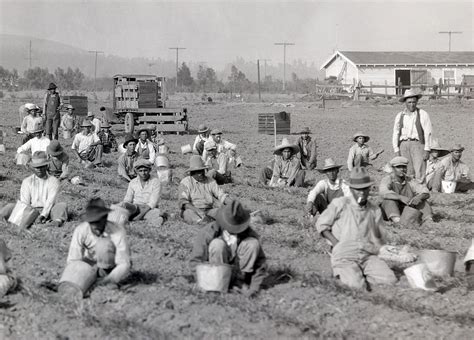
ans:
x=233 y=217
x=285 y=144
x=86 y=123
x=409 y=94
x=305 y=130
x=203 y=128
x=54 y=148
x=359 y=178
x=52 y=86
x=399 y=160
x=196 y=163
x=129 y=138
x=457 y=147
x=95 y=210
x=329 y=164
x=39 y=159
x=436 y=147
x=210 y=145
x=142 y=163
x=360 y=134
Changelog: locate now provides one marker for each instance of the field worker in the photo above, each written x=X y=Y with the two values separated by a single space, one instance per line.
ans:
x=58 y=160
x=398 y=191
x=101 y=244
x=224 y=146
x=287 y=168
x=39 y=191
x=353 y=226
x=436 y=154
x=8 y=281
x=201 y=138
x=143 y=195
x=52 y=103
x=127 y=160
x=39 y=142
x=231 y=240
x=69 y=120
x=32 y=122
x=412 y=135
x=308 y=149
x=95 y=121
x=452 y=169
x=145 y=147
x=327 y=189
x=87 y=146
x=107 y=138
x=218 y=164
x=360 y=154
x=198 y=194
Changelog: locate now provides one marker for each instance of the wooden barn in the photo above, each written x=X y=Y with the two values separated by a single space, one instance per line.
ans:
x=421 y=69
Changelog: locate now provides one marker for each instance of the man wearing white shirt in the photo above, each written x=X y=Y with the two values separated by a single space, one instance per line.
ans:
x=87 y=145
x=31 y=122
x=37 y=143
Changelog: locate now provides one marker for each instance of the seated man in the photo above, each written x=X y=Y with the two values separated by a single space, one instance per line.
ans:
x=360 y=154
x=68 y=122
x=126 y=160
x=58 y=160
x=224 y=146
x=307 y=149
x=32 y=122
x=86 y=145
x=353 y=226
x=201 y=138
x=145 y=147
x=107 y=138
x=452 y=169
x=40 y=191
x=217 y=163
x=143 y=195
x=231 y=240
x=101 y=244
x=399 y=191
x=38 y=142
x=287 y=168
x=198 y=194
x=436 y=154
x=327 y=189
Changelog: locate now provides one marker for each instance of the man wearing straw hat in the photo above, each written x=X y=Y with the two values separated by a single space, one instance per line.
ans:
x=198 y=194
x=327 y=189
x=32 y=122
x=287 y=168
x=360 y=154
x=87 y=146
x=412 y=135
x=308 y=149
x=436 y=154
x=353 y=226
x=58 y=160
x=101 y=244
x=126 y=161
x=39 y=191
x=143 y=195
x=218 y=164
x=201 y=138
x=145 y=148
x=107 y=138
x=231 y=240
x=400 y=191
x=452 y=169
x=52 y=103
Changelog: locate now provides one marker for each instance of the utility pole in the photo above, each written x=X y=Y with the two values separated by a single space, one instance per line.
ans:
x=95 y=68
x=284 y=44
x=30 y=56
x=258 y=77
x=449 y=33
x=177 y=53
x=265 y=68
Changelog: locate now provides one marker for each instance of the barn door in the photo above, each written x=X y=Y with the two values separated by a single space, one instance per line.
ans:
x=402 y=77
x=419 y=77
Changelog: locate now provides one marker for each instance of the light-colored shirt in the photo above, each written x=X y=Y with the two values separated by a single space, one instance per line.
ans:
x=68 y=122
x=125 y=165
x=83 y=248
x=431 y=166
x=322 y=187
x=386 y=186
x=31 y=123
x=96 y=122
x=197 y=140
x=364 y=151
x=219 y=163
x=200 y=195
x=82 y=142
x=222 y=147
x=40 y=193
x=284 y=171
x=147 y=193
x=409 y=128
x=148 y=145
x=35 y=144
x=453 y=171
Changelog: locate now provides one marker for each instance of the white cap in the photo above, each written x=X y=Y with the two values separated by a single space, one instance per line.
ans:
x=30 y=106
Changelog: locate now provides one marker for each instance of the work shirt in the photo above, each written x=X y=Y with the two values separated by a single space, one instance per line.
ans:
x=197 y=140
x=145 y=194
x=68 y=123
x=452 y=171
x=83 y=142
x=83 y=244
x=364 y=151
x=284 y=171
x=324 y=185
x=125 y=165
x=389 y=185
x=40 y=193
x=146 y=150
x=34 y=144
x=31 y=123
x=200 y=195
x=409 y=131
x=308 y=151
x=222 y=147
x=219 y=163
x=431 y=166
x=59 y=165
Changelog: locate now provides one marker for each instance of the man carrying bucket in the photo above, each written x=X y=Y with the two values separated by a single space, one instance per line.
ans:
x=38 y=191
x=353 y=226
x=231 y=240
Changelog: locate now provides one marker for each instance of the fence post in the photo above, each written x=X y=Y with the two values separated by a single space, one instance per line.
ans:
x=371 y=89
x=386 y=89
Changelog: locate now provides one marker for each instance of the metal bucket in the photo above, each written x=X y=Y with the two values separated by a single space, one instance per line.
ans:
x=213 y=277
x=119 y=215
x=67 y=134
x=448 y=187
x=163 y=149
x=419 y=276
x=439 y=262
x=23 y=215
x=79 y=274
x=410 y=217
x=22 y=159
x=162 y=161
x=164 y=175
x=186 y=149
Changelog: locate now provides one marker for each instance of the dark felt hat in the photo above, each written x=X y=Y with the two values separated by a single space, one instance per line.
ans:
x=52 y=86
x=233 y=217
x=54 y=148
x=359 y=178
x=95 y=210
x=196 y=163
x=129 y=138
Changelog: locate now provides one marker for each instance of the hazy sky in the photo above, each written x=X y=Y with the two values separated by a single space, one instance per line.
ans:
x=217 y=32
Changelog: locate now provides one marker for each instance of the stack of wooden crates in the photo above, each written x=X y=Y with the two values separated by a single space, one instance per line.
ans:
x=267 y=122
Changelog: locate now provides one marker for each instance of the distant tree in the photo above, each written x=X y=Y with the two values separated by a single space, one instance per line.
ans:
x=207 y=79
x=184 y=76
x=38 y=78
x=237 y=81
x=69 y=79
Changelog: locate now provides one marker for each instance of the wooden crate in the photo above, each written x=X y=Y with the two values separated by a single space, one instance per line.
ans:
x=266 y=123
x=79 y=102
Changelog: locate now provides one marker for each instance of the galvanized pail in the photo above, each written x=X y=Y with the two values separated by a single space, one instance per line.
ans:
x=439 y=262
x=79 y=274
x=213 y=277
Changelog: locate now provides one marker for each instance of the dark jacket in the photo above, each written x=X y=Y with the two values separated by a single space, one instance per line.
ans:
x=310 y=160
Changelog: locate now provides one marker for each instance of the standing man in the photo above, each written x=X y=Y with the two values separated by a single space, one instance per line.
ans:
x=308 y=150
x=52 y=103
x=412 y=135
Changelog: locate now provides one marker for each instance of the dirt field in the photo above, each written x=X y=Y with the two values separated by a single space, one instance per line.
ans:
x=300 y=299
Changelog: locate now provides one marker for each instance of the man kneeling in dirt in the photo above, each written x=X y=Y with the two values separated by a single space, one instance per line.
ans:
x=353 y=226
x=231 y=240
x=198 y=194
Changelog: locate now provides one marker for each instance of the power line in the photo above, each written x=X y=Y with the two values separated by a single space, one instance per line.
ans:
x=177 y=55
x=449 y=33
x=95 y=68
x=284 y=44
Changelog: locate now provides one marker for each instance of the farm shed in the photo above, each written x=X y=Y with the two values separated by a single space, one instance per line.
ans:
x=408 y=68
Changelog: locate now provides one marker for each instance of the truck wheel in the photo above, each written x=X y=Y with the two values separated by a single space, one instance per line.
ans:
x=129 y=122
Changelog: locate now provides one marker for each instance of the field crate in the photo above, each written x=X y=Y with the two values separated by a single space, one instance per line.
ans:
x=164 y=119
x=267 y=122
x=78 y=102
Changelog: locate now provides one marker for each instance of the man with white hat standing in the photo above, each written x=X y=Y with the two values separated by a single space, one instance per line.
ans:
x=287 y=168
x=52 y=103
x=412 y=135
x=452 y=169
x=87 y=146
x=353 y=226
